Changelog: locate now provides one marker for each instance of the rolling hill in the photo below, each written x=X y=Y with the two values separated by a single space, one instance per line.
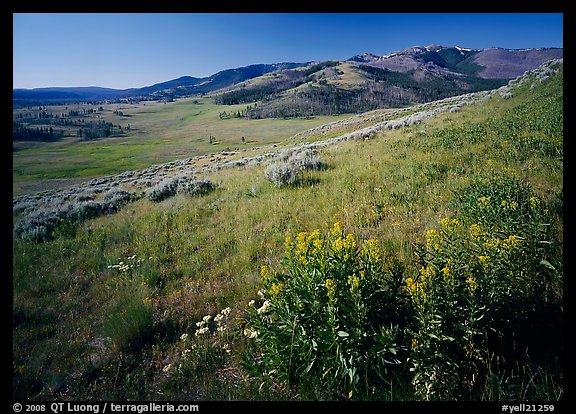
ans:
x=368 y=81
x=182 y=86
x=362 y=82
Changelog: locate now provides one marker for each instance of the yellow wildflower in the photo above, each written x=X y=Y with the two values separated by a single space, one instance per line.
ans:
x=317 y=244
x=264 y=273
x=432 y=239
x=492 y=243
x=337 y=229
x=372 y=249
x=483 y=259
x=288 y=243
x=331 y=287
x=354 y=283
x=276 y=289
x=475 y=230
x=472 y=285
x=484 y=201
x=428 y=271
x=449 y=224
x=511 y=242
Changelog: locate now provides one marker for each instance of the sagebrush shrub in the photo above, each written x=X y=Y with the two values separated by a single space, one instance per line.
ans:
x=179 y=184
x=287 y=170
x=282 y=173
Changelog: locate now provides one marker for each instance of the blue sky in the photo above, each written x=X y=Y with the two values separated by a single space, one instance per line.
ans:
x=134 y=50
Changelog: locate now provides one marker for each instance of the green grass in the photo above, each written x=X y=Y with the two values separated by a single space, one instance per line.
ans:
x=159 y=133
x=200 y=255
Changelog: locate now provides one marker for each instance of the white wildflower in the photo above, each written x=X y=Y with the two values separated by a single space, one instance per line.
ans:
x=183 y=337
x=201 y=331
x=250 y=334
x=264 y=308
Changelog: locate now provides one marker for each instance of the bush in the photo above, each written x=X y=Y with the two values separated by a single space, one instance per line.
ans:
x=38 y=225
x=282 y=173
x=326 y=322
x=180 y=184
x=196 y=187
x=46 y=223
x=163 y=190
x=287 y=170
x=488 y=280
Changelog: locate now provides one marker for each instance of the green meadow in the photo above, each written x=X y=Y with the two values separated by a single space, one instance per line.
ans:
x=426 y=236
x=159 y=132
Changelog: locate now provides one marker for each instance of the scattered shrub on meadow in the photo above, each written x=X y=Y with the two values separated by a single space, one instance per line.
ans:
x=40 y=224
x=179 y=184
x=195 y=187
x=287 y=170
x=282 y=173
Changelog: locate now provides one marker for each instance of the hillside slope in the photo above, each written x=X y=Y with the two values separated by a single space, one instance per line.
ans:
x=366 y=82
x=448 y=205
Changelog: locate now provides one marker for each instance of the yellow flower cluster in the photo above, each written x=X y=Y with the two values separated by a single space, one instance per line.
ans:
x=501 y=245
x=347 y=243
x=506 y=205
x=484 y=201
x=415 y=289
x=265 y=273
x=427 y=272
x=336 y=229
x=484 y=259
x=354 y=283
x=476 y=230
x=493 y=243
x=449 y=225
x=305 y=244
x=511 y=242
x=331 y=287
x=432 y=239
x=371 y=249
x=276 y=289
x=471 y=285
x=289 y=243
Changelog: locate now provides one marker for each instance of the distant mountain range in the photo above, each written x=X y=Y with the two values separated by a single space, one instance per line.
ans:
x=363 y=82
x=491 y=63
x=185 y=85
